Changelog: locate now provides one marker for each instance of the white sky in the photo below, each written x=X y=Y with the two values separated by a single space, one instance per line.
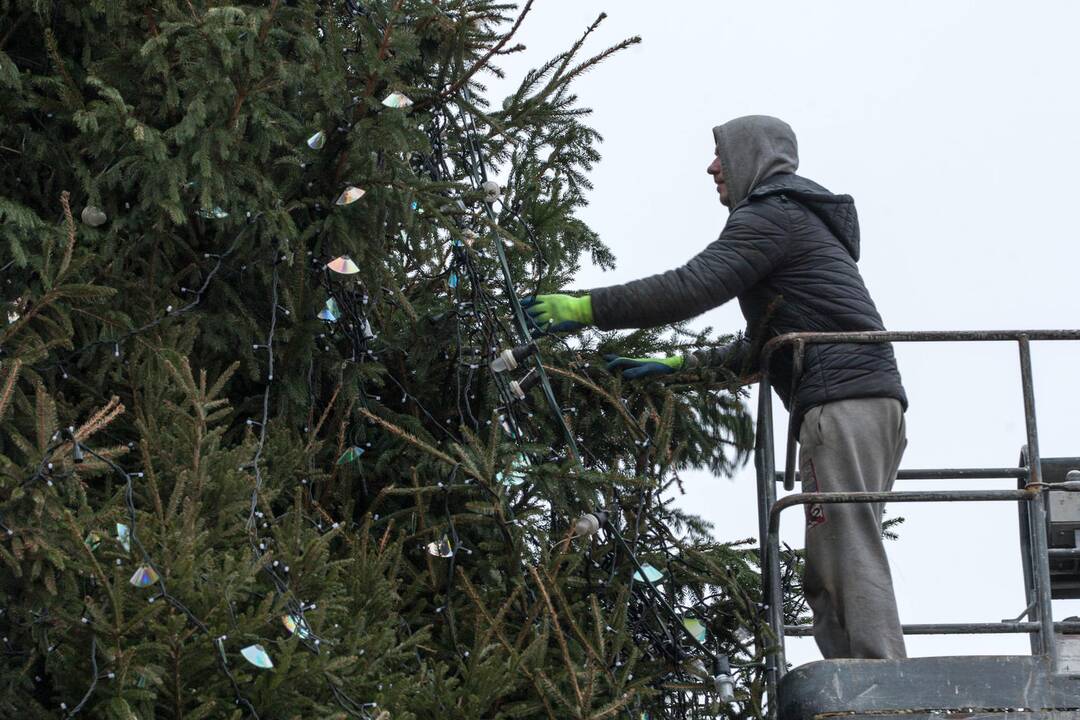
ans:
x=956 y=127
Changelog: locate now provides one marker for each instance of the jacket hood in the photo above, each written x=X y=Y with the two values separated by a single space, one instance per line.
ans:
x=836 y=211
x=752 y=148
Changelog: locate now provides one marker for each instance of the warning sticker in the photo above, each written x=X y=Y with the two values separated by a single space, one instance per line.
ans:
x=815 y=512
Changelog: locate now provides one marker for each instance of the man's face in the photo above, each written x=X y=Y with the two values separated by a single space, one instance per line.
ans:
x=717 y=172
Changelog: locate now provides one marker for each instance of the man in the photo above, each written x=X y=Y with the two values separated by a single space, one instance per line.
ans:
x=788 y=253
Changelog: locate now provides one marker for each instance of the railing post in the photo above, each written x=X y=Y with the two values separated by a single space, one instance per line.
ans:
x=799 y=352
x=765 y=462
x=1041 y=561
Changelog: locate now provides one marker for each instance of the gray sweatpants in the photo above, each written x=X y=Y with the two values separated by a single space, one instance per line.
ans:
x=848 y=446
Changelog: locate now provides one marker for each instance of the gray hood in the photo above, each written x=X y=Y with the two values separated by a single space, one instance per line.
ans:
x=752 y=148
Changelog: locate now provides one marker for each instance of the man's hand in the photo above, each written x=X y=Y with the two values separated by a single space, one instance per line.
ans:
x=559 y=313
x=634 y=368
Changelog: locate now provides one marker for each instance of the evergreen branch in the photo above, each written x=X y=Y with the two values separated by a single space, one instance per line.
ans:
x=482 y=62
x=322 y=418
x=577 y=629
x=612 y=400
x=100 y=419
x=265 y=29
x=494 y=623
x=614 y=706
x=546 y=684
x=66 y=261
x=369 y=88
x=9 y=385
x=600 y=57
x=74 y=97
x=495 y=626
x=99 y=573
x=570 y=669
x=416 y=442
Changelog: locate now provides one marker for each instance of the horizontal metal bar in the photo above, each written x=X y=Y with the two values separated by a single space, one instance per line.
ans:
x=956 y=628
x=833 y=498
x=950 y=474
x=880 y=336
x=1064 y=552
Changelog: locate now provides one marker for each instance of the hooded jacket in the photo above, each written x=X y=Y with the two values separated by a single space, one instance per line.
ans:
x=788 y=253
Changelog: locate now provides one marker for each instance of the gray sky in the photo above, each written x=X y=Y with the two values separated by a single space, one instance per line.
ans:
x=955 y=127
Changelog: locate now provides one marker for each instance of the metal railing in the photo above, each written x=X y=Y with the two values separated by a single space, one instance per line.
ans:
x=1030 y=492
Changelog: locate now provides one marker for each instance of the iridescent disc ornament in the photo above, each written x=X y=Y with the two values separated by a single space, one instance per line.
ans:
x=93 y=216
x=316 y=141
x=351 y=455
x=296 y=624
x=145 y=576
x=343 y=266
x=696 y=628
x=123 y=534
x=93 y=539
x=648 y=574
x=330 y=313
x=256 y=655
x=214 y=213
x=440 y=548
x=453 y=279
x=349 y=195
x=397 y=100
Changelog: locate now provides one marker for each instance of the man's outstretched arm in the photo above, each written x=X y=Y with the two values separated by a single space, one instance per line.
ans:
x=753 y=242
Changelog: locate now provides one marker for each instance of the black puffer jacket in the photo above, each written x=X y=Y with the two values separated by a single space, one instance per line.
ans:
x=792 y=245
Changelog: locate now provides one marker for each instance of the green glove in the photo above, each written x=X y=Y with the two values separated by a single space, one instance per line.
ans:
x=634 y=368
x=559 y=313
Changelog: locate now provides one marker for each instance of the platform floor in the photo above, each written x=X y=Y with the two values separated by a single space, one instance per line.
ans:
x=970 y=687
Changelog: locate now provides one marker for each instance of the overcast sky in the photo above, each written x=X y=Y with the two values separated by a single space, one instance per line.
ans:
x=955 y=126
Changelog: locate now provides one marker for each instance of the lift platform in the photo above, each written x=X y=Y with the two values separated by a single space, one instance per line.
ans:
x=1044 y=685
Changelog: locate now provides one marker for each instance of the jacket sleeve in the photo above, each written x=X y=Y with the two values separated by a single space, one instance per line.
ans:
x=753 y=242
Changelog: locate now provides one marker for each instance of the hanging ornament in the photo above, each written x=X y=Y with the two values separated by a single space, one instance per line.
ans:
x=648 y=574
x=696 y=628
x=296 y=624
x=215 y=213
x=144 y=576
x=349 y=195
x=397 y=100
x=453 y=279
x=316 y=141
x=93 y=216
x=93 y=539
x=351 y=455
x=343 y=266
x=123 y=534
x=330 y=313
x=256 y=655
x=492 y=191
x=441 y=548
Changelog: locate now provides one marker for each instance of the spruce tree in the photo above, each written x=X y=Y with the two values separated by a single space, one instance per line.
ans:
x=258 y=260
